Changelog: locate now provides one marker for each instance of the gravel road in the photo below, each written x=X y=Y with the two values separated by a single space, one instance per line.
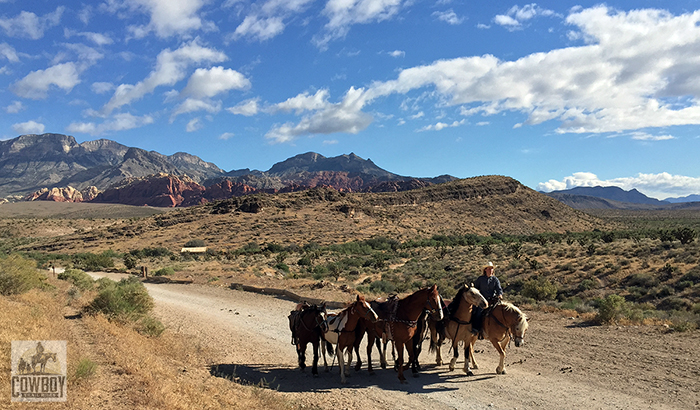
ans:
x=563 y=364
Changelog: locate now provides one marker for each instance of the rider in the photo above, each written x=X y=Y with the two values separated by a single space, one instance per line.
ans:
x=490 y=288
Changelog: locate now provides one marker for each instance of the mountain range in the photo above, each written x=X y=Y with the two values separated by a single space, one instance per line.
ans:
x=56 y=167
x=612 y=197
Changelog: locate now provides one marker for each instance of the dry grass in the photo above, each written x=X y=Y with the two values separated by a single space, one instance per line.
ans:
x=132 y=370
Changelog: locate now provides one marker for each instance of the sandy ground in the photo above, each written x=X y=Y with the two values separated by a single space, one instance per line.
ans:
x=564 y=364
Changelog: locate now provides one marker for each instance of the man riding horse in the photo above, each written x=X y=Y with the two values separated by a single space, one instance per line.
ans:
x=490 y=288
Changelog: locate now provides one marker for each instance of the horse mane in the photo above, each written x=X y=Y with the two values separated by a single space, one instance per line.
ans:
x=454 y=305
x=522 y=319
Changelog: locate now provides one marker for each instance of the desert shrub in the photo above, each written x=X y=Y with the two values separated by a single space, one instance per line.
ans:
x=150 y=326
x=611 y=309
x=692 y=276
x=85 y=368
x=92 y=262
x=78 y=278
x=304 y=261
x=382 y=286
x=675 y=303
x=127 y=298
x=167 y=271
x=282 y=266
x=642 y=280
x=130 y=261
x=586 y=284
x=195 y=243
x=539 y=289
x=685 y=235
x=19 y=275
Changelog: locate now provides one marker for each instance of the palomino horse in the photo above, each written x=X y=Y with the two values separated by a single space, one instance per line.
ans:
x=503 y=322
x=307 y=323
x=401 y=325
x=342 y=328
x=457 y=327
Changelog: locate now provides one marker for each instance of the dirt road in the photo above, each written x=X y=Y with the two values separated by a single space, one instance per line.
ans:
x=563 y=364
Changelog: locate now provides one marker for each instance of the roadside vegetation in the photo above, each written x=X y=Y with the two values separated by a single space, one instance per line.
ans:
x=115 y=358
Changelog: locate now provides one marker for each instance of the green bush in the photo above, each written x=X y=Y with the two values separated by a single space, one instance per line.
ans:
x=611 y=309
x=77 y=277
x=18 y=275
x=167 y=271
x=539 y=289
x=382 y=286
x=92 y=262
x=195 y=243
x=282 y=266
x=85 y=368
x=643 y=280
x=130 y=261
x=150 y=326
x=127 y=298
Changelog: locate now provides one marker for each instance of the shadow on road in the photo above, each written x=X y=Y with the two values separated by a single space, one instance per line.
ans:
x=285 y=379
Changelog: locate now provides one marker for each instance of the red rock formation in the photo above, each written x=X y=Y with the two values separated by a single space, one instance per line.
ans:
x=160 y=190
x=67 y=194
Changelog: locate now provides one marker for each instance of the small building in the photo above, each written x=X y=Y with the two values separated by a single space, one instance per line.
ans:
x=198 y=249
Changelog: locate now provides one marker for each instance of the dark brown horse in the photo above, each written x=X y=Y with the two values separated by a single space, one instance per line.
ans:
x=307 y=323
x=503 y=322
x=457 y=327
x=342 y=330
x=402 y=323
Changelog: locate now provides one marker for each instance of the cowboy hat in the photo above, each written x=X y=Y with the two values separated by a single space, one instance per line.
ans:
x=489 y=265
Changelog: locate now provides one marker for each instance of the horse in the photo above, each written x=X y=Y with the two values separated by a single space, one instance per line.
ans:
x=401 y=324
x=457 y=327
x=341 y=331
x=307 y=323
x=41 y=359
x=503 y=322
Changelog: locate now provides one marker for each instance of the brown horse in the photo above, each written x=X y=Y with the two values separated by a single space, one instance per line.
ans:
x=307 y=323
x=402 y=324
x=457 y=327
x=503 y=322
x=342 y=329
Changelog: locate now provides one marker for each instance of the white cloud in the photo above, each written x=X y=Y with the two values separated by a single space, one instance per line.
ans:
x=167 y=17
x=330 y=142
x=266 y=19
x=194 y=105
x=449 y=17
x=194 y=124
x=29 y=127
x=36 y=84
x=346 y=116
x=441 y=125
x=8 y=52
x=643 y=136
x=305 y=102
x=342 y=14
x=212 y=81
x=660 y=186
x=15 y=107
x=171 y=67
x=247 y=108
x=29 y=25
x=101 y=87
x=98 y=38
x=516 y=16
x=226 y=136
x=118 y=122
x=397 y=53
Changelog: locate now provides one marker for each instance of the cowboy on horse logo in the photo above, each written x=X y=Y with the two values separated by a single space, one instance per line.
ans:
x=39 y=370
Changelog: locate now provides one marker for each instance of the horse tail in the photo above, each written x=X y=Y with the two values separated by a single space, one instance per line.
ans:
x=329 y=348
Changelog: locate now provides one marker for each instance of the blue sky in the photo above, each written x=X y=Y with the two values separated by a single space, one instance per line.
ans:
x=555 y=94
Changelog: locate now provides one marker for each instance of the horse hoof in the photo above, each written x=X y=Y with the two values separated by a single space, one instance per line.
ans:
x=469 y=372
x=501 y=371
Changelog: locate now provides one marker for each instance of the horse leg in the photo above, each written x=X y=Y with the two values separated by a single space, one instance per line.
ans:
x=472 y=342
x=347 y=368
x=382 y=353
x=435 y=343
x=501 y=369
x=301 y=355
x=370 y=343
x=341 y=363
x=412 y=358
x=455 y=355
x=467 y=356
x=399 y=362
x=314 y=369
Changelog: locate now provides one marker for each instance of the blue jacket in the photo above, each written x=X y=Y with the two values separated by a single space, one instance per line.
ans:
x=489 y=287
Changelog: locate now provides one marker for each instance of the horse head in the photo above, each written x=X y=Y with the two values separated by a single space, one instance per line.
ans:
x=434 y=304
x=364 y=309
x=472 y=296
x=516 y=321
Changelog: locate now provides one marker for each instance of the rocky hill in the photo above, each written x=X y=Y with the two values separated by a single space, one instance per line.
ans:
x=54 y=167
